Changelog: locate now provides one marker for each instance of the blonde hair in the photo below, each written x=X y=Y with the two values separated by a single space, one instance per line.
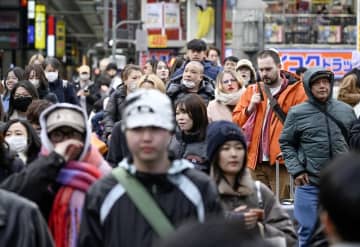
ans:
x=38 y=57
x=220 y=77
x=153 y=79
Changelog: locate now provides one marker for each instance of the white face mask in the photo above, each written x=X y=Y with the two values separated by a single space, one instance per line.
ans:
x=84 y=77
x=51 y=76
x=188 y=84
x=35 y=82
x=17 y=144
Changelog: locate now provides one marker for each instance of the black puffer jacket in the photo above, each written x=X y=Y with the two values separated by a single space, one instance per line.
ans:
x=21 y=223
x=9 y=164
x=111 y=219
x=112 y=113
x=175 y=90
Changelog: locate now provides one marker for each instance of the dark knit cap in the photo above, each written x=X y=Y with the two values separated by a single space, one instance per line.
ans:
x=111 y=66
x=219 y=132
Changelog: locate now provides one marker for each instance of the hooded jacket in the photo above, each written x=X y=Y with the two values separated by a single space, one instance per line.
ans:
x=38 y=181
x=292 y=95
x=110 y=218
x=276 y=221
x=175 y=90
x=309 y=138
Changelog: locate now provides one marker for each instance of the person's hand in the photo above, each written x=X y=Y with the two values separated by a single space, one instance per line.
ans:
x=259 y=212
x=104 y=88
x=255 y=99
x=69 y=149
x=302 y=179
x=250 y=216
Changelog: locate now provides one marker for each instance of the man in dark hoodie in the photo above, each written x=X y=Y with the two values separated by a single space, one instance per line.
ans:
x=314 y=132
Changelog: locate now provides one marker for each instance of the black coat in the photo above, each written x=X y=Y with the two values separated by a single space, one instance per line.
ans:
x=118 y=148
x=12 y=165
x=112 y=113
x=37 y=182
x=123 y=225
x=21 y=223
x=64 y=91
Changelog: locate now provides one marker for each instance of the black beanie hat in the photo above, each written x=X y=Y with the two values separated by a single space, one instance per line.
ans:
x=219 y=132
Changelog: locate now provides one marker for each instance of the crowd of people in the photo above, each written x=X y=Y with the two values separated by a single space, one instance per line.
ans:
x=200 y=153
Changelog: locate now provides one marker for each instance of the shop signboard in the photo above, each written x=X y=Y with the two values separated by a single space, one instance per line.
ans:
x=40 y=26
x=157 y=41
x=154 y=15
x=171 y=15
x=338 y=61
x=60 y=39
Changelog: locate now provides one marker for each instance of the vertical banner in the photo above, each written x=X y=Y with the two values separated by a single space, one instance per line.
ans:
x=154 y=15
x=40 y=26
x=31 y=24
x=60 y=39
x=51 y=36
x=171 y=15
x=358 y=26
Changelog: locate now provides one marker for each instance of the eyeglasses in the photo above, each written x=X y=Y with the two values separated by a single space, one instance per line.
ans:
x=59 y=135
x=229 y=81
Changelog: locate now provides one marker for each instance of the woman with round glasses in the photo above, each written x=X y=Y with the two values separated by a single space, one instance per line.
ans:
x=228 y=89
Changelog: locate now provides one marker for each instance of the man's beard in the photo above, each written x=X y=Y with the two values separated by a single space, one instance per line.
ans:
x=270 y=82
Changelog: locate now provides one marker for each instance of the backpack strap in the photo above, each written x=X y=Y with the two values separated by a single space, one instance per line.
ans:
x=144 y=202
x=258 y=194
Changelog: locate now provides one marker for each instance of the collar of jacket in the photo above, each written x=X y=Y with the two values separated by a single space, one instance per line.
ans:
x=245 y=188
x=177 y=166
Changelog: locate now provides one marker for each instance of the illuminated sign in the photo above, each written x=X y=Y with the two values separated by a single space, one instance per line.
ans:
x=338 y=61
x=157 y=41
x=40 y=26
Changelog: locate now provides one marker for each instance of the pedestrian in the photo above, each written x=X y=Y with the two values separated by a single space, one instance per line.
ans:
x=150 y=66
x=35 y=74
x=21 y=223
x=228 y=89
x=314 y=132
x=111 y=217
x=63 y=89
x=213 y=55
x=251 y=202
x=112 y=113
x=151 y=81
x=262 y=120
x=247 y=71
x=21 y=96
x=349 y=90
x=86 y=90
x=338 y=203
x=163 y=71
x=37 y=58
x=34 y=111
x=67 y=165
x=196 y=51
x=230 y=63
x=192 y=81
x=12 y=76
x=22 y=140
x=9 y=162
x=189 y=140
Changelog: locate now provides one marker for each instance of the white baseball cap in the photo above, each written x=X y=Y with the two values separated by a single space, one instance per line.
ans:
x=148 y=108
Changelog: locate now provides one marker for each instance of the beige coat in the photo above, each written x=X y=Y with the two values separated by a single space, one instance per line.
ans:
x=217 y=111
x=348 y=91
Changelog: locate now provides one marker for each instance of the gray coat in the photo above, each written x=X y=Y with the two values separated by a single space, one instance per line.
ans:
x=310 y=138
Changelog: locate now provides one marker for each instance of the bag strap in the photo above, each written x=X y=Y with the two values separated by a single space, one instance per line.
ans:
x=144 y=202
x=275 y=105
x=342 y=127
x=258 y=194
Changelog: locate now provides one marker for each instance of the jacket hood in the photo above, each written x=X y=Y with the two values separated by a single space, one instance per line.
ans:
x=177 y=166
x=45 y=137
x=314 y=73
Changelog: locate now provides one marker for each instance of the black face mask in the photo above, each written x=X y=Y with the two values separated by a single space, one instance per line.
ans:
x=21 y=104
